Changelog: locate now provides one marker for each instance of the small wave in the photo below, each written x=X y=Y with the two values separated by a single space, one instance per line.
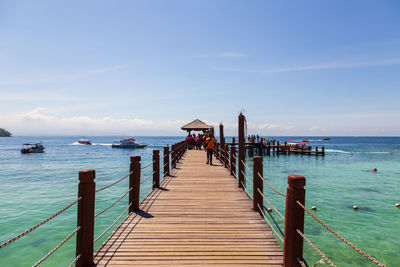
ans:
x=336 y=151
x=95 y=144
x=75 y=144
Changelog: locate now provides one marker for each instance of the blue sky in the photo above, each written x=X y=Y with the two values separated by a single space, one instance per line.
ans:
x=148 y=67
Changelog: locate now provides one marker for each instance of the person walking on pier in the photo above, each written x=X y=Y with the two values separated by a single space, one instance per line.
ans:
x=210 y=142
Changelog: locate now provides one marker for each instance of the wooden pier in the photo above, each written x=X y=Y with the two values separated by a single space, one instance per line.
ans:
x=197 y=217
x=275 y=148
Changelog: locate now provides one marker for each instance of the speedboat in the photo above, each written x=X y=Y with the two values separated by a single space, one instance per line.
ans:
x=128 y=143
x=32 y=148
x=305 y=140
x=84 y=142
x=326 y=138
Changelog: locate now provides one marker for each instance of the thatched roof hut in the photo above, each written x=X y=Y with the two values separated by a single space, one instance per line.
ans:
x=196 y=125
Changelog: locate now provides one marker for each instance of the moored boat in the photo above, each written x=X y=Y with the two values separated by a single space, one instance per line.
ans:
x=32 y=148
x=84 y=142
x=128 y=143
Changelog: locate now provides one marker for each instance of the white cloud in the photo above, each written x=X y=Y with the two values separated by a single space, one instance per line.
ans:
x=275 y=126
x=40 y=122
x=223 y=54
x=345 y=65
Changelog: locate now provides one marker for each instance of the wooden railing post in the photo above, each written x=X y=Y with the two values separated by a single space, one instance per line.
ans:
x=226 y=158
x=134 y=183
x=232 y=160
x=173 y=156
x=294 y=219
x=241 y=150
x=166 y=161
x=85 y=236
x=257 y=183
x=156 y=168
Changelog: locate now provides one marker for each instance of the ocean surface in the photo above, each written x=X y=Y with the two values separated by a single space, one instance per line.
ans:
x=34 y=186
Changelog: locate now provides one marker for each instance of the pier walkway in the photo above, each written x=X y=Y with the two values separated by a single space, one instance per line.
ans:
x=198 y=216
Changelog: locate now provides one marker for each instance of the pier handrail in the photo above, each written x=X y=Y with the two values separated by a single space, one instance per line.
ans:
x=114 y=183
x=56 y=247
x=270 y=186
x=39 y=224
x=360 y=251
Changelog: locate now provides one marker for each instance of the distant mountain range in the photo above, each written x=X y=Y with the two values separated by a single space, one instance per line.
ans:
x=4 y=133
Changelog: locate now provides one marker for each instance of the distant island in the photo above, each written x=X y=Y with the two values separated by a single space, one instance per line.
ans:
x=4 y=133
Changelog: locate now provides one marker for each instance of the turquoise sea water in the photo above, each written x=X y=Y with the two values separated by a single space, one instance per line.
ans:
x=33 y=186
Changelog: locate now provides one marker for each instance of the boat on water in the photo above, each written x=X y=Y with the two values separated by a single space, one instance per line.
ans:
x=32 y=148
x=325 y=139
x=128 y=143
x=305 y=140
x=84 y=142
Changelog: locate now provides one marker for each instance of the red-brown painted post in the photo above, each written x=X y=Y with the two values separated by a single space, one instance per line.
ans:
x=156 y=168
x=85 y=236
x=241 y=150
x=166 y=161
x=221 y=140
x=323 y=151
x=294 y=219
x=134 y=183
x=232 y=160
x=173 y=159
x=277 y=145
x=226 y=156
x=316 y=151
x=257 y=183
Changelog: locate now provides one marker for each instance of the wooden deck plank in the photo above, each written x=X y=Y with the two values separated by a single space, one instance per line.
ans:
x=199 y=217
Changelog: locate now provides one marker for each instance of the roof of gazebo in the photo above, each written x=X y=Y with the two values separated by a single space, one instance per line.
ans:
x=196 y=125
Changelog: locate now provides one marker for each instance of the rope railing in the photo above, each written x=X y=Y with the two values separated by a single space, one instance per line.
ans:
x=234 y=157
x=270 y=225
x=108 y=229
x=276 y=223
x=244 y=164
x=114 y=183
x=148 y=191
x=267 y=184
x=302 y=262
x=272 y=206
x=247 y=179
x=75 y=260
x=150 y=164
x=360 y=251
x=316 y=249
x=147 y=178
x=57 y=247
x=110 y=206
x=39 y=224
x=245 y=190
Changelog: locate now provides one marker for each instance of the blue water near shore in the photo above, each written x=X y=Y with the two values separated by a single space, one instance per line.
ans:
x=33 y=186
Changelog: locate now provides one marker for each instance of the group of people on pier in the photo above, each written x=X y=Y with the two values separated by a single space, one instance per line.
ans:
x=257 y=139
x=206 y=141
